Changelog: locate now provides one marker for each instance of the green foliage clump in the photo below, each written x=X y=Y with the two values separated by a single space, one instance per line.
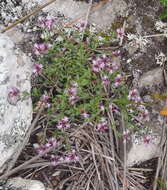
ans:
x=164 y=14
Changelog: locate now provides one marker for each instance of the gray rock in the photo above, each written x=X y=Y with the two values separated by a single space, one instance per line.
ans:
x=24 y=184
x=102 y=17
x=142 y=152
x=15 y=111
x=151 y=80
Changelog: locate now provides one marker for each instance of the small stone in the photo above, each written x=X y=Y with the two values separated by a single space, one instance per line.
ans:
x=25 y=184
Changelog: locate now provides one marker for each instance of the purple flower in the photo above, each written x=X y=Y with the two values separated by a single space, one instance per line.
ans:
x=114 y=110
x=44 y=100
x=105 y=80
x=116 y=53
x=63 y=123
x=134 y=96
x=144 y=116
x=80 y=26
x=55 y=160
x=46 y=22
x=102 y=126
x=147 y=139
x=85 y=114
x=40 y=149
x=118 y=80
x=126 y=135
x=37 y=68
x=51 y=142
x=40 y=48
x=98 y=64
x=72 y=92
x=120 y=32
x=72 y=157
x=13 y=95
x=102 y=108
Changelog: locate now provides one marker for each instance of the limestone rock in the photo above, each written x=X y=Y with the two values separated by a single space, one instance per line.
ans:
x=24 y=184
x=142 y=152
x=15 y=118
x=151 y=80
x=102 y=17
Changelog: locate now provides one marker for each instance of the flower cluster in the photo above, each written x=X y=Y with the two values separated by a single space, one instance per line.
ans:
x=102 y=126
x=116 y=53
x=105 y=80
x=55 y=160
x=64 y=123
x=147 y=139
x=13 y=95
x=37 y=68
x=134 y=96
x=118 y=80
x=113 y=109
x=126 y=135
x=40 y=149
x=143 y=114
x=46 y=22
x=40 y=48
x=84 y=114
x=80 y=26
x=103 y=64
x=120 y=32
x=68 y=158
x=72 y=93
x=44 y=100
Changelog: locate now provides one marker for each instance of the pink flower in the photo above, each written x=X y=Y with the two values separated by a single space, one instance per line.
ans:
x=40 y=48
x=37 y=68
x=114 y=110
x=144 y=116
x=46 y=22
x=98 y=64
x=102 y=126
x=118 y=80
x=63 y=123
x=120 y=32
x=44 y=100
x=72 y=92
x=13 y=95
x=80 y=26
x=126 y=135
x=55 y=160
x=51 y=142
x=116 y=53
x=40 y=149
x=14 y=92
x=72 y=157
x=134 y=96
x=105 y=80
x=84 y=114
x=102 y=108
x=147 y=139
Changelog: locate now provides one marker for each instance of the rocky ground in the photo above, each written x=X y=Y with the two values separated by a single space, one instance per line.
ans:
x=143 y=58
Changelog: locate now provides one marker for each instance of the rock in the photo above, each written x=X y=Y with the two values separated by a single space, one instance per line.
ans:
x=102 y=17
x=151 y=80
x=24 y=184
x=15 y=109
x=142 y=152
